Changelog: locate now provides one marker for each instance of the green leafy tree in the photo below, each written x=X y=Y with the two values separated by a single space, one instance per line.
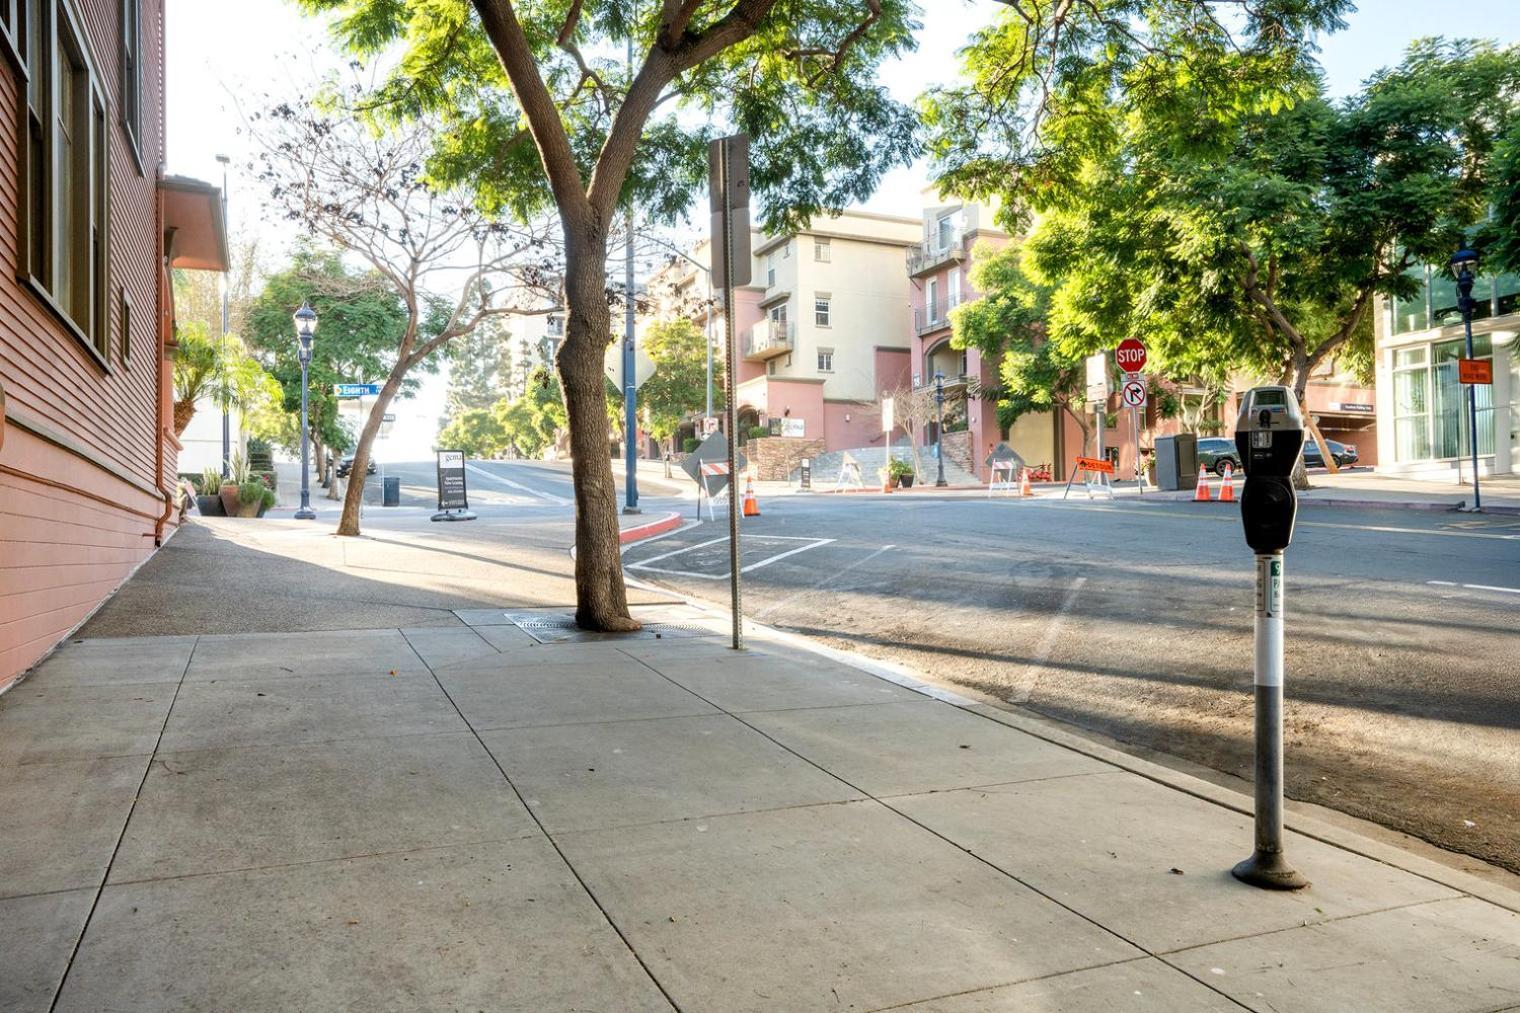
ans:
x=543 y=116
x=678 y=388
x=476 y=431
x=359 y=322
x=532 y=420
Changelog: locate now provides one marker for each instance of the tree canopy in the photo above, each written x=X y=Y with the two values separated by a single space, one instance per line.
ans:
x=678 y=387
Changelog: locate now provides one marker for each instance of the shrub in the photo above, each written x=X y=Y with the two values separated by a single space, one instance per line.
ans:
x=210 y=481
x=759 y=432
x=899 y=469
x=690 y=444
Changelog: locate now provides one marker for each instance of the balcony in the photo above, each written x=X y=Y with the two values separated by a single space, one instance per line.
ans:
x=933 y=317
x=926 y=258
x=768 y=339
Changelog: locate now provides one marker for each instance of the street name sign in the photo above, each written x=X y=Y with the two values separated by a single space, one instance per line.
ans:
x=356 y=389
x=1133 y=393
x=1130 y=355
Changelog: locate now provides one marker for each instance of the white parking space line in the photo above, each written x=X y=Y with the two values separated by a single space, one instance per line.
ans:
x=547 y=496
x=813 y=543
x=1474 y=587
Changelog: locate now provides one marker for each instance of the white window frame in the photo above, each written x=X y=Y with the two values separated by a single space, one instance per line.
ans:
x=823 y=250
x=953 y=288
x=823 y=309
x=825 y=360
x=931 y=301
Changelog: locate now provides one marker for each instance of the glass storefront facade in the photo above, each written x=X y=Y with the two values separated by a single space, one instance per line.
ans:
x=1423 y=413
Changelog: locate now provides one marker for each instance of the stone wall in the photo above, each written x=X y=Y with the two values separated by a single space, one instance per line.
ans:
x=958 y=450
x=774 y=457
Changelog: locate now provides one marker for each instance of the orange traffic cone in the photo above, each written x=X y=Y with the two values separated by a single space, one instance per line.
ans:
x=1024 y=488
x=1202 y=493
x=751 y=504
x=1227 y=484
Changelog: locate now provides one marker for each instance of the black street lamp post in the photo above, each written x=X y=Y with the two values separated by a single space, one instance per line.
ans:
x=1462 y=264
x=939 y=428
x=306 y=327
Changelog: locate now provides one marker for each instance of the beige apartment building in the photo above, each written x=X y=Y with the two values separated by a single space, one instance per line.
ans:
x=822 y=329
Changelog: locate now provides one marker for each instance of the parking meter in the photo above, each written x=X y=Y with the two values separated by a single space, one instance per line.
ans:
x=1269 y=435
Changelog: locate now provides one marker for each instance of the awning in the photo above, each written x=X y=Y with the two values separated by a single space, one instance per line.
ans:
x=193 y=219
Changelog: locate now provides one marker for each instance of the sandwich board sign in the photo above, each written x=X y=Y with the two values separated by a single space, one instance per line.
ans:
x=453 y=496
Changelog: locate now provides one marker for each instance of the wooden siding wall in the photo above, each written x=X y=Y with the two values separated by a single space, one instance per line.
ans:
x=78 y=465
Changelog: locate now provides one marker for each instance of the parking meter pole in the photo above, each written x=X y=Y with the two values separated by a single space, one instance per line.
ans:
x=1268 y=866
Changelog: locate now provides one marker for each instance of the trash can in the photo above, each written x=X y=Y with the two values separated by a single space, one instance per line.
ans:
x=1177 y=462
x=392 y=492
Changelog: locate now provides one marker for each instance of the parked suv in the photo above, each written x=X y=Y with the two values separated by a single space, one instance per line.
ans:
x=1215 y=451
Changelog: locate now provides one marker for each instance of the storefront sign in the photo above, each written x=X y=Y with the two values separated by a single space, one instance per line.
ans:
x=793 y=427
x=1353 y=408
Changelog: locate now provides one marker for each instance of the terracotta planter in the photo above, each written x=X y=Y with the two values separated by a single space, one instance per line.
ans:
x=229 y=496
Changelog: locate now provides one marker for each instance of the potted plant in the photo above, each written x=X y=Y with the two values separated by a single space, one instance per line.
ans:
x=901 y=473
x=207 y=498
x=238 y=476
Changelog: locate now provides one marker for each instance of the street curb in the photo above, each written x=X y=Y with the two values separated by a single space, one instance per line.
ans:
x=640 y=532
x=1240 y=801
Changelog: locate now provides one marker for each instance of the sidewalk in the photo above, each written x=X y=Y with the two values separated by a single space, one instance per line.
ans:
x=440 y=798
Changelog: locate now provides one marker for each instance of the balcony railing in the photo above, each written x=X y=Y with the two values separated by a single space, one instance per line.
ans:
x=931 y=318
x=768 y=339
x=928 y=257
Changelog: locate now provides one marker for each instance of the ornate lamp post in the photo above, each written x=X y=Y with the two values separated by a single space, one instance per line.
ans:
x=939 y=428
x=1462 y=264
x=306 y=328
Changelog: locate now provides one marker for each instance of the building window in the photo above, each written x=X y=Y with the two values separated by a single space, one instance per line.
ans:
x=822 y=251
x=63 y=233
x=825 y=360
x=770 y=368
x=131 y=73
x=13 y=29
x=932 y=302
x=770 y=269
x=953 y=288
x=944 y=232
x=1430 y=404
x=126 y=327
x=821 y=311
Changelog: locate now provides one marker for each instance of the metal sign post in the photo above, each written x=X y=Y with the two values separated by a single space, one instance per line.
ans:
x=728 y=181
x=1133 y=393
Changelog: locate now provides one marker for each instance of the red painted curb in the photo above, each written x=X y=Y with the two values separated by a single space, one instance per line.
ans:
x=667 y=523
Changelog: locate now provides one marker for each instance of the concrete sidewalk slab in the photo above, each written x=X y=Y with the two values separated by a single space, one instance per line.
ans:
x=622 y=773
x=794 y=910
x=62 y=821
x=39 y=723
x=116 y=662
x=950 y=748
x=293 y=711
x=1446 y=955
x=1135 y=986
x=501 y=926
x=764 y=684
x=1107 y=846
x=492 y=696
x=40 y=933
x=439 y=646
x=303 y=655
x=217 y=810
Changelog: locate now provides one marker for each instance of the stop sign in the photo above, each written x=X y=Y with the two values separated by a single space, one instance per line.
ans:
x=1130 y=355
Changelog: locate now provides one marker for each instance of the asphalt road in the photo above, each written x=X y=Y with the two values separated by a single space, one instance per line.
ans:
x=1134 y=621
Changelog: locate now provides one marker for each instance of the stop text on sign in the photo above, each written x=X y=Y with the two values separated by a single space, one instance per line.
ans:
x=1130 y=355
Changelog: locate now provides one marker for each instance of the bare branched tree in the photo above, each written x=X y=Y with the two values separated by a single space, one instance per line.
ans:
x=451 y=267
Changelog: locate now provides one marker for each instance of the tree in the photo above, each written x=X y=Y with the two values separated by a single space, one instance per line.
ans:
x=447 y=265
x=1007 y=325
x=481 y=369
x=360 y=323
x=476 y=431
x=542 y=116
x=678 y=388
x=532 y=420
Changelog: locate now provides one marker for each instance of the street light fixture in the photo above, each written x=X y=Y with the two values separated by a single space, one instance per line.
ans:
x=939 y=427
x=306 y=328
x=1463 y=265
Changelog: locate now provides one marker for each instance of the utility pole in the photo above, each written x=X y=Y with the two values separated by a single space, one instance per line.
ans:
x=630 y=392
x=222 y=358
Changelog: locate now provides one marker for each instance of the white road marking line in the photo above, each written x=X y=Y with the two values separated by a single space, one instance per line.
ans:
x=550 y=497
x=1047 y=641
x=1162 y=512
x=825 y=582
x=813 y=543
x=1474 y=587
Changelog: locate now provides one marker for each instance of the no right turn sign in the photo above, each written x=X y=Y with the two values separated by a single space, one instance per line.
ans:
x=1133 y=393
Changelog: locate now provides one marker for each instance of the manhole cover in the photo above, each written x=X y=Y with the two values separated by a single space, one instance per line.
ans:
x=551 y=628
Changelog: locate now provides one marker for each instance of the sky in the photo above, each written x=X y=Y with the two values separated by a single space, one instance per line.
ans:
x=223 y=53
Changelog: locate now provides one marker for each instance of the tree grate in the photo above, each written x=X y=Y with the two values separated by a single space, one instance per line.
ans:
x=561 y=629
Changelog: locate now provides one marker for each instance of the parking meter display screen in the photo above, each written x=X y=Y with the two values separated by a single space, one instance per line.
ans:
x=1271 y=398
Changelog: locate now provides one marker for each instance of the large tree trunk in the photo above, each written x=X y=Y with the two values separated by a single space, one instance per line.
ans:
x=1311 y=432
x=601 y=600
x=348 y=523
